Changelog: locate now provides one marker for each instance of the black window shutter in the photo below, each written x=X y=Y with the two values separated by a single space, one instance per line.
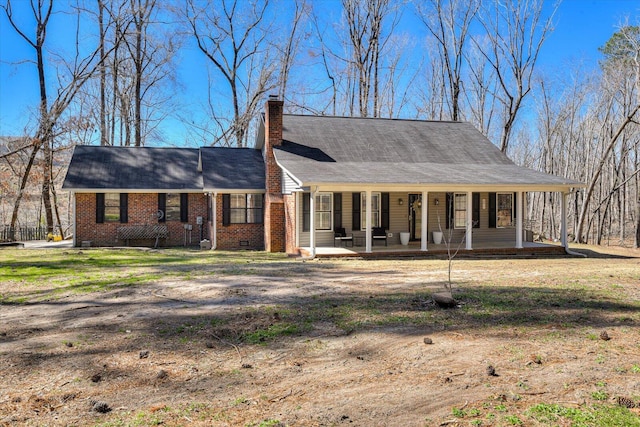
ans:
x=449 y=209
x=492 y=210
x=261 y=217
x=124 y=207
x=99 y=208
x=385 y=211
x=226 y=209
x=306 y=211
x=355 y=212
x=475 y=217
x=513 y=218
x=162 y=206
x=184 y=207
x=337 y=210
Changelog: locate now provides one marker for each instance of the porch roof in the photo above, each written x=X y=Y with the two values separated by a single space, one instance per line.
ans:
x=341 y=151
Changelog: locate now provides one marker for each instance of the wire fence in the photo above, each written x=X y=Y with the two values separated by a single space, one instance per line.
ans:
x=8 y=234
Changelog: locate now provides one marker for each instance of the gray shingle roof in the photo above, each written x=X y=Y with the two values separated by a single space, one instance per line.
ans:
x=336 y=150
x=232 y=168
x=133 y=168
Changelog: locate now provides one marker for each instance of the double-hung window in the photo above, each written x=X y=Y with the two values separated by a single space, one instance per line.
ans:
x=324 y=211
x=172 y=209
x=112 y=207
x=244 y=208
x=504 y=211
x=375 y=210
x=460 y=210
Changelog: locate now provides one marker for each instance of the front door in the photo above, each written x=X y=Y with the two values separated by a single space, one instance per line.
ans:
x=415 y=216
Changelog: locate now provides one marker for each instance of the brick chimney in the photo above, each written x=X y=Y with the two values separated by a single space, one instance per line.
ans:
x=273 y=138
x=274 y=213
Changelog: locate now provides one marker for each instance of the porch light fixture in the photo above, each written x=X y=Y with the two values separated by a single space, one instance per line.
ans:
x=400 y=202
x=436 y=201
x=484 y=204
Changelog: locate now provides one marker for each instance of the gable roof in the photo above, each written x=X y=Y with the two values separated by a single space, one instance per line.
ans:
x=323 y=150
x=99 y=168
x=225 y=168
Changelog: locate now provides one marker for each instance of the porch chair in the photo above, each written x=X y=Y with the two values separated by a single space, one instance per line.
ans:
x=340 y=236
x=379 y=233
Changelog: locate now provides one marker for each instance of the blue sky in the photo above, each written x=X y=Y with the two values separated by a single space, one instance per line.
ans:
x=581 y=27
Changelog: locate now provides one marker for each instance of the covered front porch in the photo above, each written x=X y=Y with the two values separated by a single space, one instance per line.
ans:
x=489 y=221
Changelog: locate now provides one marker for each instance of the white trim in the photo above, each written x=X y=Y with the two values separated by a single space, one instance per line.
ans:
x=312 y=222
x=148 y=190
x=369 y=238
x=563 y=208
x=424 y=234
x=519 y=216
x=440 y=188
x=299 y=217
x=469 y=220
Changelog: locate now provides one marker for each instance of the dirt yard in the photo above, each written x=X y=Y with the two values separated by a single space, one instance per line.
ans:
x=328 y=343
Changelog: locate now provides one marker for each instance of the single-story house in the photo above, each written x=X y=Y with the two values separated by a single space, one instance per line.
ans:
x=363 y=181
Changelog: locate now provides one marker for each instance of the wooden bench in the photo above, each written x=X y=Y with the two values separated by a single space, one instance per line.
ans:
x=143 y=232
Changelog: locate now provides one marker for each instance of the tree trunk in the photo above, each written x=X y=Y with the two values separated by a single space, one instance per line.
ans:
x=598 y=171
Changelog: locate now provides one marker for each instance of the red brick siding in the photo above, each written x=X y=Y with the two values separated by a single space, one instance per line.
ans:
x=230 y=236
x=142 y=208
x=274 y=220
x=290 y=223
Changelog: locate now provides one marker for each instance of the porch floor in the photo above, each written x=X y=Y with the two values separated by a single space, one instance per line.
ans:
x=413 y=250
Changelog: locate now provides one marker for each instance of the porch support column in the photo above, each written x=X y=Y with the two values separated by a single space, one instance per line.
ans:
x=563 y=208
x=424 y=235
x=298 y=214
x=312 y=222
x=369 y=239
x=469 y=230
x=519 y=215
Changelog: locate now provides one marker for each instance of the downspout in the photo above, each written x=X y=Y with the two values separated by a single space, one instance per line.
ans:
x=563 y=235
x=214 y=243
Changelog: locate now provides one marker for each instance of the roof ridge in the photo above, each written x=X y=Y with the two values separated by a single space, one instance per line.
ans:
x=376 y=118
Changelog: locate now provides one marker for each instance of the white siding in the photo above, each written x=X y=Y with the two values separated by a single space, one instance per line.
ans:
x=288 y=184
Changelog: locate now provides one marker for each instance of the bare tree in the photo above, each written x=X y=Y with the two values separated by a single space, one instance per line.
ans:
x=449 y=22
x=79 y=70
x=622 y=60
x=516 y=31
x=233 y=37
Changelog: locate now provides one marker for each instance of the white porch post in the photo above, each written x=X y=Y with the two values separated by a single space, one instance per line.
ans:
x=563 y=231
x=424 y=235
x=519 y=215
x=368 y=219
x=312 y=222
x=299 y=214
x=469 y=231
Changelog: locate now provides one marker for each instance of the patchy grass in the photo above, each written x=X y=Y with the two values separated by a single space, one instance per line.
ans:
x=588 y=416
x=234 y=354
x=36 y=275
